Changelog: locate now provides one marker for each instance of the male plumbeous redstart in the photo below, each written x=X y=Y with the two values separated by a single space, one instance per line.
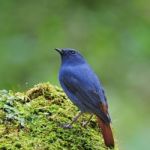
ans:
x=84 y=89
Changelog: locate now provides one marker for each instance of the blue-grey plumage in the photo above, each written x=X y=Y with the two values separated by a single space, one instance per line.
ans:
x=84 y=89
x=81 y=84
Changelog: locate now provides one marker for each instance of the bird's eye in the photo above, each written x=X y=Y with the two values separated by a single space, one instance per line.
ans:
x=72 y=52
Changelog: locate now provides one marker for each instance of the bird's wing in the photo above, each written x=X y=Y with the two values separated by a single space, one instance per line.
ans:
x=86 y=95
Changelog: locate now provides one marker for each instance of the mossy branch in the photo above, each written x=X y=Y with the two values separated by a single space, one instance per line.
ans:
x=33 y=120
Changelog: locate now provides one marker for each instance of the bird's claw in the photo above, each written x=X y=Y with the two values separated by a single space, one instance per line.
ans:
x=67 y=126
x=84 y=124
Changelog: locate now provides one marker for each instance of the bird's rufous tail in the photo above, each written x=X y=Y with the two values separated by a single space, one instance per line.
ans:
x=106 y=132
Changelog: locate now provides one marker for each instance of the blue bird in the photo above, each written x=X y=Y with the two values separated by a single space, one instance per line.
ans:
x=84 y=89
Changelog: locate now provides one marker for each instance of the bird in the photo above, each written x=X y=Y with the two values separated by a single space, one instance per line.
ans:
x=84 y=89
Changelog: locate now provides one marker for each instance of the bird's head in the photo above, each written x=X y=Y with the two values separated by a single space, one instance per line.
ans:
x=70 y=56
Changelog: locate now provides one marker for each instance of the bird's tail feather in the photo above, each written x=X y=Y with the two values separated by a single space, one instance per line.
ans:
x=106 y=132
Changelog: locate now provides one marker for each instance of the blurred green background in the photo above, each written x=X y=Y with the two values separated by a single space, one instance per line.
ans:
x=114 y=36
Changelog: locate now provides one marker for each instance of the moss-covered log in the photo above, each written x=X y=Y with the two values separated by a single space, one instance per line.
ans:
x=34 y=119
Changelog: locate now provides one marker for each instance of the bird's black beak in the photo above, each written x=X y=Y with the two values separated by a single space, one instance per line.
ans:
x=59 y=50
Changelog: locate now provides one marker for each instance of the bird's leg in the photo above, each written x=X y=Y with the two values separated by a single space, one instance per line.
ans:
x=74 y=120
x=84 y=124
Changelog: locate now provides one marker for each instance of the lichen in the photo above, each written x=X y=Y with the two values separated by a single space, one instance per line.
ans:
x=33 y=121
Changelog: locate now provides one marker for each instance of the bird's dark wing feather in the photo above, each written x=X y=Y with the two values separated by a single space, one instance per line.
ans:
x=87 y=96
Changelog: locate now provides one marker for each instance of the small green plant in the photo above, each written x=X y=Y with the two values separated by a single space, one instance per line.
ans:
x=8 y=103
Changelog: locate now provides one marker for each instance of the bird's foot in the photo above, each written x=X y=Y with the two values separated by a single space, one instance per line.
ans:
x=67 y=126
x=84 y=124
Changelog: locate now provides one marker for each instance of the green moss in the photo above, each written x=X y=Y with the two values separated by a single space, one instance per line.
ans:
x=33 y=120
